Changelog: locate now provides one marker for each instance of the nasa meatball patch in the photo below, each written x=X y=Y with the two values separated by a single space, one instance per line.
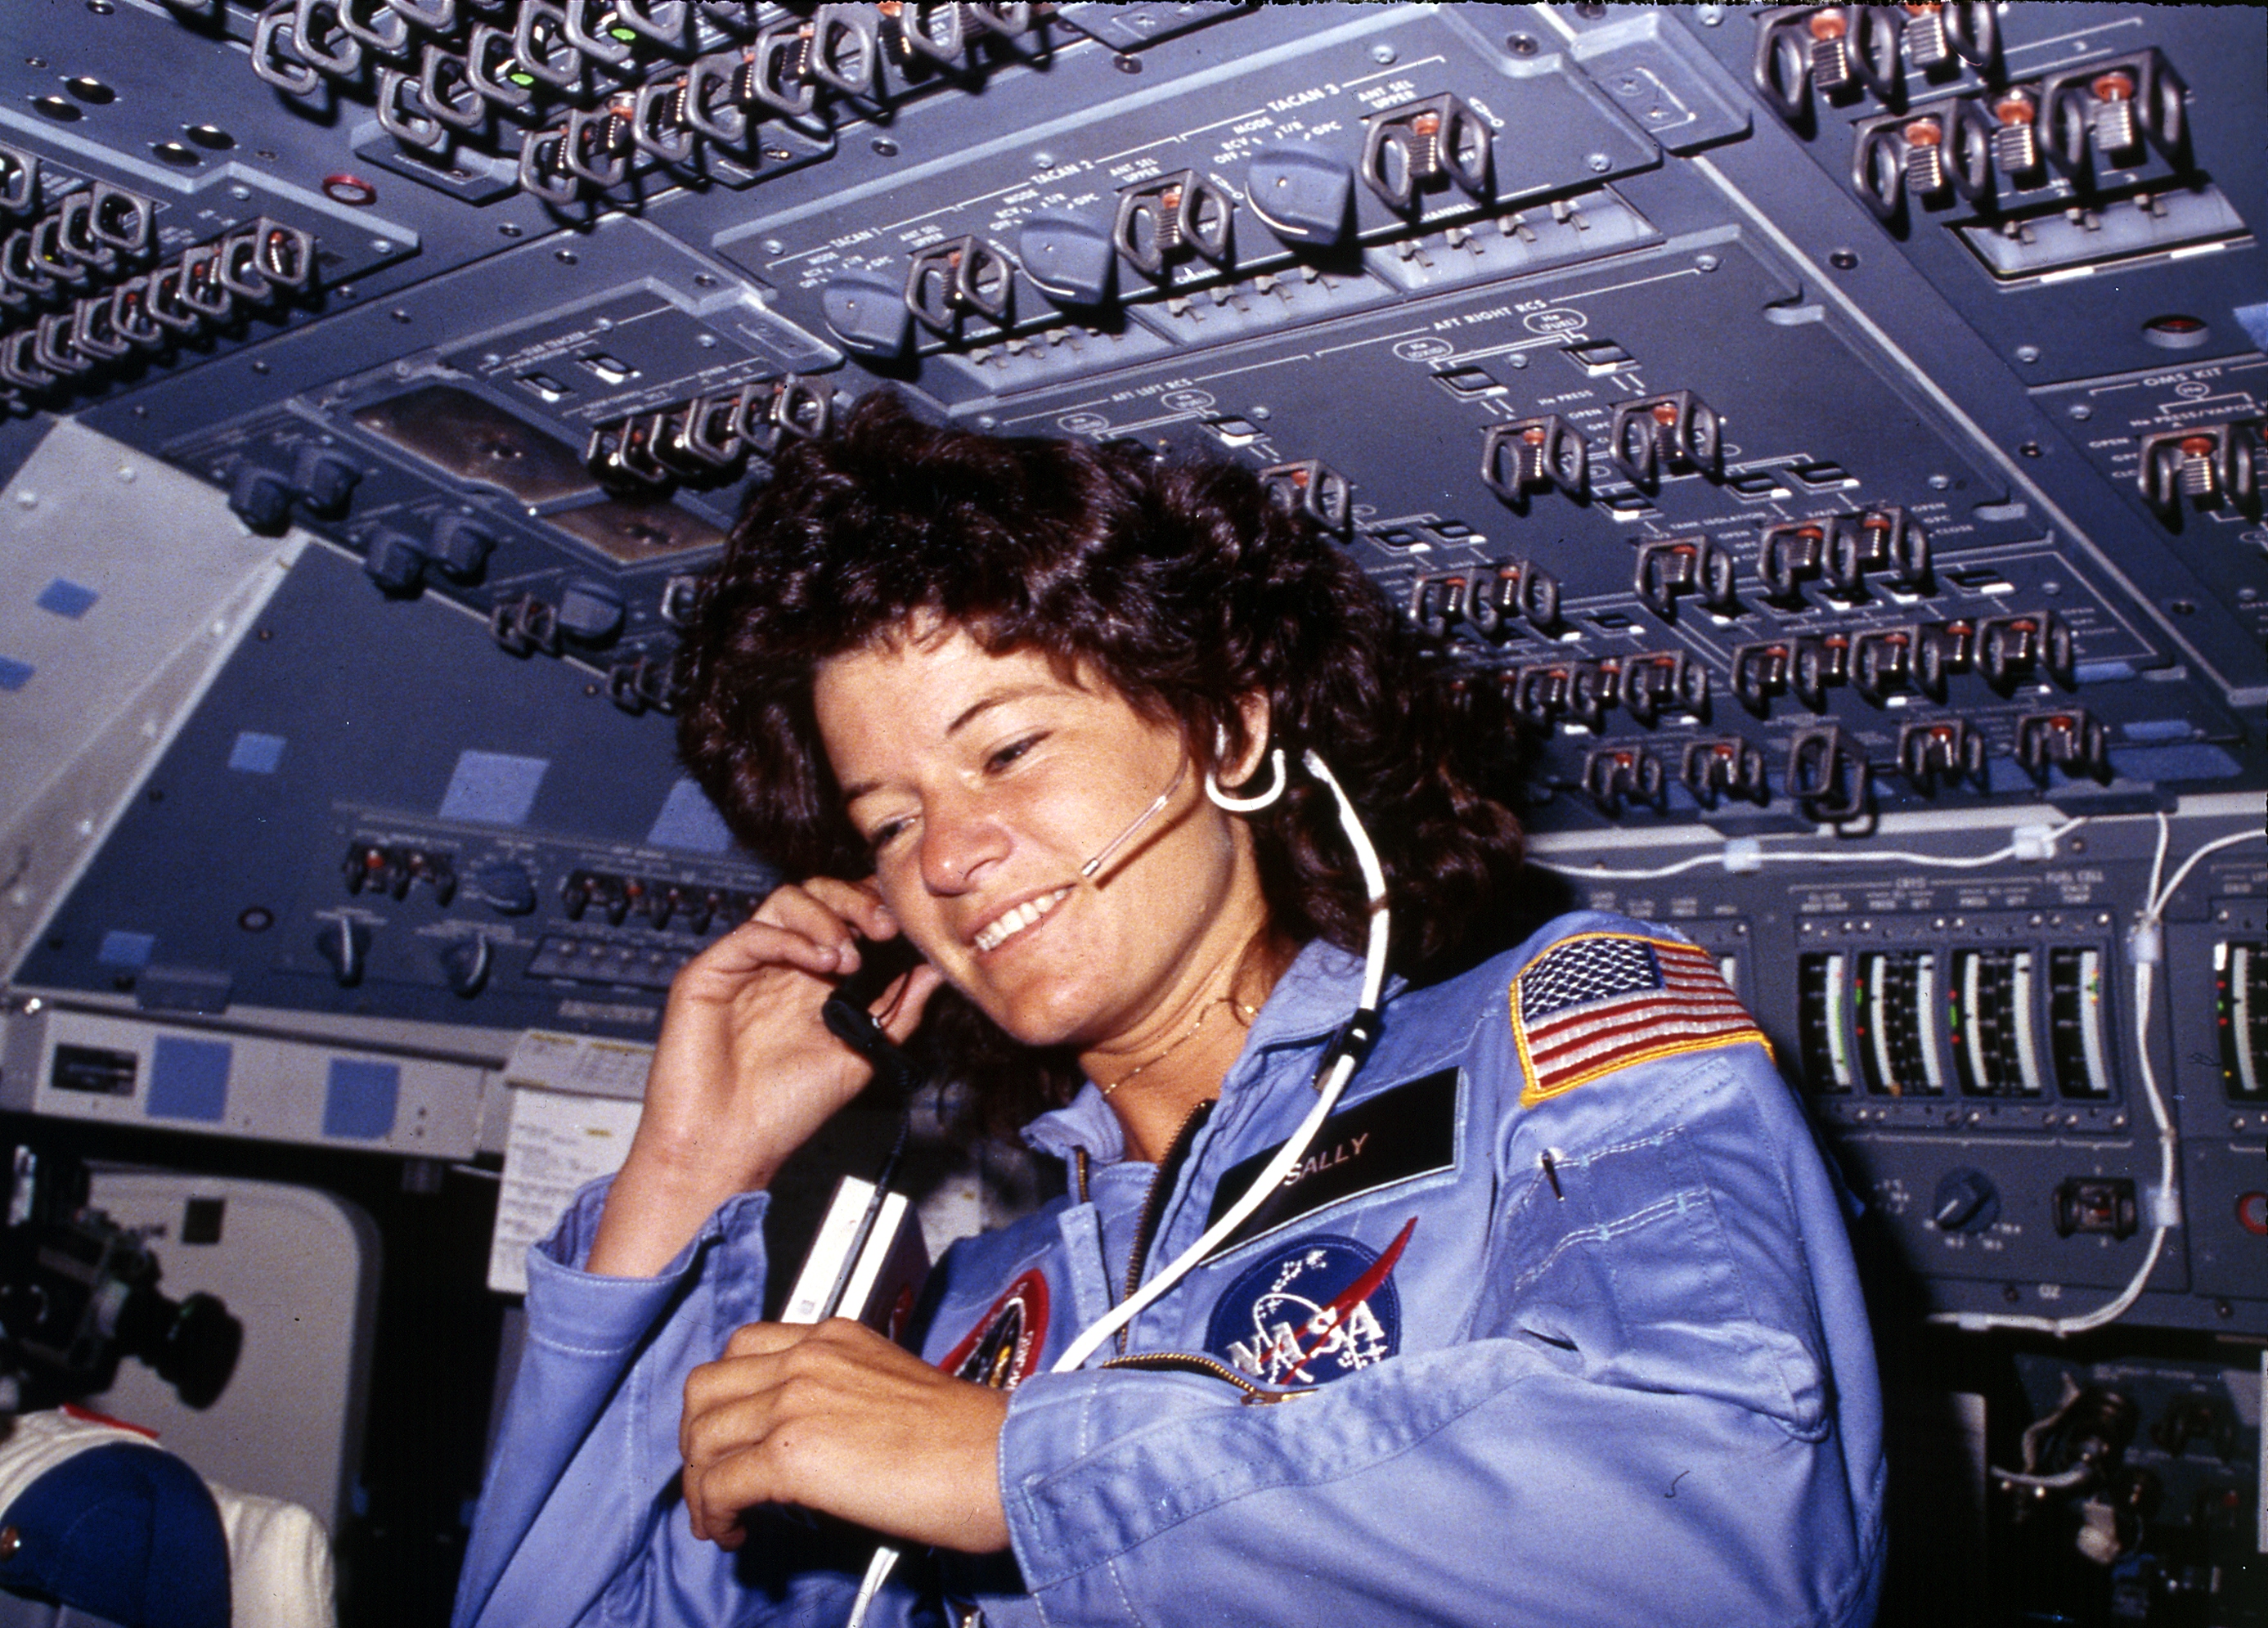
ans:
x=1314 y=1311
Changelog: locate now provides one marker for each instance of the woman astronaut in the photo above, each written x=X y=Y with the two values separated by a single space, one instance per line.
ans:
x=1519 y=1296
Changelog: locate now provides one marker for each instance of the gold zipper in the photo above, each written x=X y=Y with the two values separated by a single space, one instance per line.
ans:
x=1189 y=1362
x=1170 y=1168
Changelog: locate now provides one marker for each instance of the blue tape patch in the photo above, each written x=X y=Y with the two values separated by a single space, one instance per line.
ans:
x=2254 y=320
x=2196 y=760
x=2158 y=729
x=688 y=822
x=188 y=1080
x=256 y=754
x=129 y=951
x=494 y=788
x=359 y=1099
x=14 y=674
x=67 y=598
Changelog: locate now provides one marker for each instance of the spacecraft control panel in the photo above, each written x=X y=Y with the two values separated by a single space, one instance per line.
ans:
x=1827 y=442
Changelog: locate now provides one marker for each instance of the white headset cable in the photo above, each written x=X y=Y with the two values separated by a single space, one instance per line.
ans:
x=1344 y=1054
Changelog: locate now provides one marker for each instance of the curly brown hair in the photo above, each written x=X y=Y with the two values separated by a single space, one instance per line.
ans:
x=1179 y=583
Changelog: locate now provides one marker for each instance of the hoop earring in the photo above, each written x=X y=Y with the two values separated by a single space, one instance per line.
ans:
x=1244 y=804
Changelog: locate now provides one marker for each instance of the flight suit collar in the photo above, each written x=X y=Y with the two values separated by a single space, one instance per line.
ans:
x=1309 y=1002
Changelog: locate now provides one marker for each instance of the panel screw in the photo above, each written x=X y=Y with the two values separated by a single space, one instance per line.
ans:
x=1381 y=54
x=1522 y=45
x=1707 y=262
x=2028 y=353
x=1600 y=162
x=2081 y=412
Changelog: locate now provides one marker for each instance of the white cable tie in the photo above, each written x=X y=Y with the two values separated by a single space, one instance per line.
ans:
x=1743 y=856
x=2145 y=943
x=2033 y=841
x=2161 y=1204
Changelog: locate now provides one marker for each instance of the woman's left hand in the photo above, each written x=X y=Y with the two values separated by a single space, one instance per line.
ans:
x=833 y=1417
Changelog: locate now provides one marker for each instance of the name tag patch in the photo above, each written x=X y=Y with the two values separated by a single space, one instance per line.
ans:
x=1004 y=1347
x=1316 y=1311
x=1404 y=1131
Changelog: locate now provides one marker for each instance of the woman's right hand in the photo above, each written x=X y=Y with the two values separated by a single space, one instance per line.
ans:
x=746 y=1069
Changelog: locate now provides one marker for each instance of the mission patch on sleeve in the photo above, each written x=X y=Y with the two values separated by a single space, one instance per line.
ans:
x=1003 y=1350
x=1600 y=1001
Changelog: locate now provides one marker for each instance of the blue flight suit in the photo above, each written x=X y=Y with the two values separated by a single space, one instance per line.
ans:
x=1555 y=1322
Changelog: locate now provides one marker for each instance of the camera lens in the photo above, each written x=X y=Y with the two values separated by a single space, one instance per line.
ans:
x=192 y=1343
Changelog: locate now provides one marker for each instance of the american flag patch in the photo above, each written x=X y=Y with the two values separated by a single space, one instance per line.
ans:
x=1598 y=1002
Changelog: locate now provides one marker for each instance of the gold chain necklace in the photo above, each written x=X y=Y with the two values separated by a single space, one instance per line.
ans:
x=1188 y=1036
x=1243 y=1009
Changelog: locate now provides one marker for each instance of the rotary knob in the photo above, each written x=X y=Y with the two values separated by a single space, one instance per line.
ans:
x=1966 y=1201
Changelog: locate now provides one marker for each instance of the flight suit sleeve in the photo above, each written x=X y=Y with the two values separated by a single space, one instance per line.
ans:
x=1634 y=1412
x=580 y=1520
